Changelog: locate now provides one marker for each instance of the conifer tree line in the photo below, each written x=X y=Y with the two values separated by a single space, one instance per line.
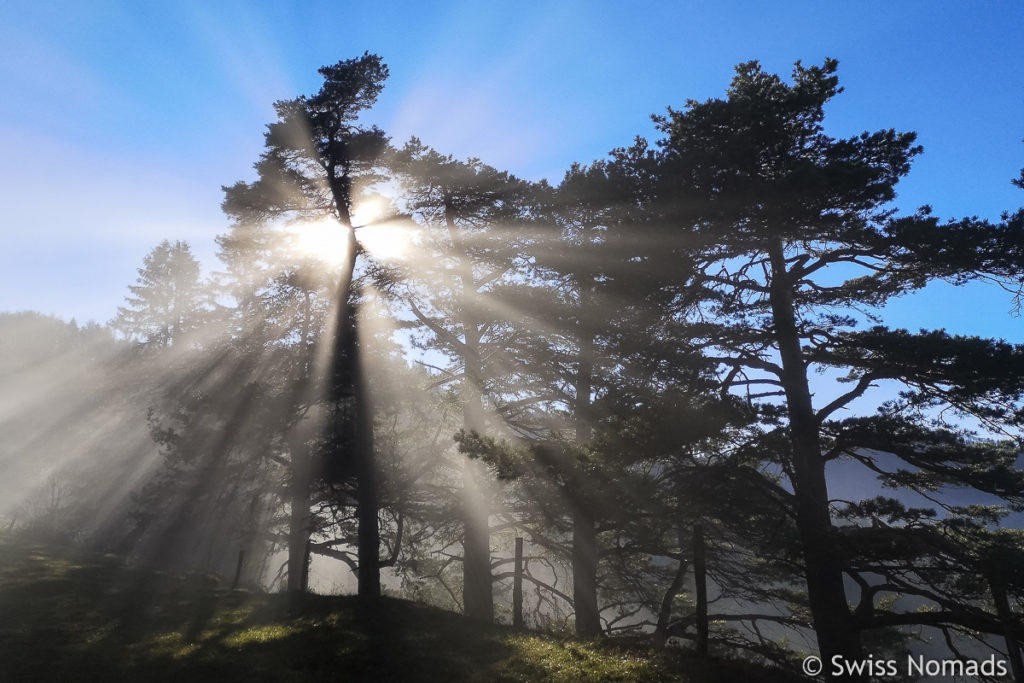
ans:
x=687 y=334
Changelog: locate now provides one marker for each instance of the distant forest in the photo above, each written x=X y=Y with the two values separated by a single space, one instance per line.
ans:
x=651 y=373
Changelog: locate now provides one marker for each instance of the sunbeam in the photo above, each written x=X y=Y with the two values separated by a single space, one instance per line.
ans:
x=587 y=404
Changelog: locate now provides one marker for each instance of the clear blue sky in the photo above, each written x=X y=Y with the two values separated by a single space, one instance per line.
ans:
x=119 y=122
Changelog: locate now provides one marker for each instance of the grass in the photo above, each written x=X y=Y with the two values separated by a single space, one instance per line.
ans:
x=93 y=618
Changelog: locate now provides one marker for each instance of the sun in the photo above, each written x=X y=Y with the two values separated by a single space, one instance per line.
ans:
x=384 y=238
x=389 y=241
x=325 y=240
x=369 y=210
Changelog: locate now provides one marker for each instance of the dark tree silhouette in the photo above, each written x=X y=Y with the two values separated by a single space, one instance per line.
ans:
x=318 y=159
x=779 y=215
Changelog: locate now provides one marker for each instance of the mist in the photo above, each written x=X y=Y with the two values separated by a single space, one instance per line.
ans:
x=662 y=401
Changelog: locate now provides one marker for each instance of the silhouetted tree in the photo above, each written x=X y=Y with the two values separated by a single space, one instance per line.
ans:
x=582 y=315
x=318 y=159
x=780 y=215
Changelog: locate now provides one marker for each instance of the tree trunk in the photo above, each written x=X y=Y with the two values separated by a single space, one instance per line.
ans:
x=833 y=623
x=307 y=560
x=700 y=589
x=584 y=573
x=298 y=524
x=517 y=586
x=665 y=613
x=349 y=382
x=477 y=600
x=997 y=584
x=477 y=597
x=298 y=530
x=238 y=570
x=366 y=482
x=584 y=525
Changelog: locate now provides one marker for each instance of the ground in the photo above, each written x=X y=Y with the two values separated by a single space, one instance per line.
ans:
x=76 y=617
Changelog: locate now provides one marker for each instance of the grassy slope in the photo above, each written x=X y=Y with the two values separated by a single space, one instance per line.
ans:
x=93 y=618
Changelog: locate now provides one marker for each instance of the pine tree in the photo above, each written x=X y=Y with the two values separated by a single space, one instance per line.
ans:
x=166 y=300
x=472 y=217
x=318 y=161
x=781 y=217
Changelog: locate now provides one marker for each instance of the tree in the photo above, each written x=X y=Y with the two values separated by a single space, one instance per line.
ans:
x=595 y=375
x=572 y=357
x=781 y=216
x=318 y=159
x=167 y=299
x=580 y=325
x=473 y=215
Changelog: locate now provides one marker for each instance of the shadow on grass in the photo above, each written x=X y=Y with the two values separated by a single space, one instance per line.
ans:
x=93 y=618
x=96 y=619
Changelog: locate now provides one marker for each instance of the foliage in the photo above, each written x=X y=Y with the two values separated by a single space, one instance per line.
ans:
x=168 y=299
x=796 y=244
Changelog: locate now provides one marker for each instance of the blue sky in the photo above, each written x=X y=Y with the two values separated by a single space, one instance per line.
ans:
x=121 y=121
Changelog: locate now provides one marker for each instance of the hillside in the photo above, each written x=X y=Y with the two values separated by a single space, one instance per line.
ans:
x=93 y=618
